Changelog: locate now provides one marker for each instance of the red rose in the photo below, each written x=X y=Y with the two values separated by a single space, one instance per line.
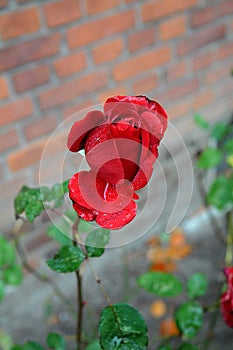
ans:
x=227 y=298
x=121 y=143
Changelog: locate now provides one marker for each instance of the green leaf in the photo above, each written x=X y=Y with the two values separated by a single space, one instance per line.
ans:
x=209 y=158
x=55 y=341
x=160 y=283
x=57 y=191
x=7 y=252
x=30 y=345
x=228 y=146
x=189 y=318
x=13 y=275
x=96 y=241
x=68 y=259
x=30 y=201
x=65 y=186
x=121 y=327
x=197 y=285
x=220 y=194
x=59 y=234
x=200 y=121
x=219 y=130
x=6 y=342
x=94 y=346
x=188 y=346
x=2 y=290
x=33 y=210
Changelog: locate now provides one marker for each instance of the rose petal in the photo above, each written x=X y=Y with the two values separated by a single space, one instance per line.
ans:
x=81 y=128
x=84 y=213
x=102 y=155
x=117 y=220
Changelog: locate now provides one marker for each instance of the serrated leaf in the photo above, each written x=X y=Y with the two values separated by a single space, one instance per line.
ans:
x=59 y=234
x=220 y=194
x=13 y=275
x=30 y=345
x=94 y=346
x=160 y=283
x=219 y=130
x=33 y=210
x=96 y=241
x=188 y=346
x=2 y=290
x=68 y=259
x=209 y=158
x=7 y=252
x=189 y=318
x=55 y=341
x=121 y=327
x=200 y=121
x=197 y=285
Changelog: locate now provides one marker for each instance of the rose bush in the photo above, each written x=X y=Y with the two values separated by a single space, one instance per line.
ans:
x=227 y=298
x=121 y=146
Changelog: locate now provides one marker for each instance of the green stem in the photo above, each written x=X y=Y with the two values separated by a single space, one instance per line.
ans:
x=80 y=302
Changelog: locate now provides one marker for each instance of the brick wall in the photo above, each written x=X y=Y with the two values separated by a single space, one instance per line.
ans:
x=59 y=56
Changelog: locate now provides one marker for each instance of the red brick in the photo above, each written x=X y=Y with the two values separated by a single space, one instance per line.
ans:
x=145 y=84
x=176 y=71
x=161 y=8
x=100 y=28
x=94 y=6
x=70 y=64
x=69 y=90
x=29 y=51
x=204 y=60
x=17 y=23
x=180 y=109
x=179 y=91
x=202 y=99
x=141 y=39
x=67 y=112
x=172 y=28
x=118 y=90
x=16 y=110
x=61 y=12
x=201 y=39
x=203 y=16
x=218 y=73
x=3 y=88
x=225 y=50
x=32 y=78
x=40 y=127
x=141 y=63
x=225 y=8
x=26 y=156
x=107 y=51
x=3 y=3
x=8 y=140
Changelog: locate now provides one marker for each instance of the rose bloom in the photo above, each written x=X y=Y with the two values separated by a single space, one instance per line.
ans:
x=227 y=298
x=121 y=146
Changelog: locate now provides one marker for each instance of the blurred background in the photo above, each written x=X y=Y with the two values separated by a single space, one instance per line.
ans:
x=57 y=57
